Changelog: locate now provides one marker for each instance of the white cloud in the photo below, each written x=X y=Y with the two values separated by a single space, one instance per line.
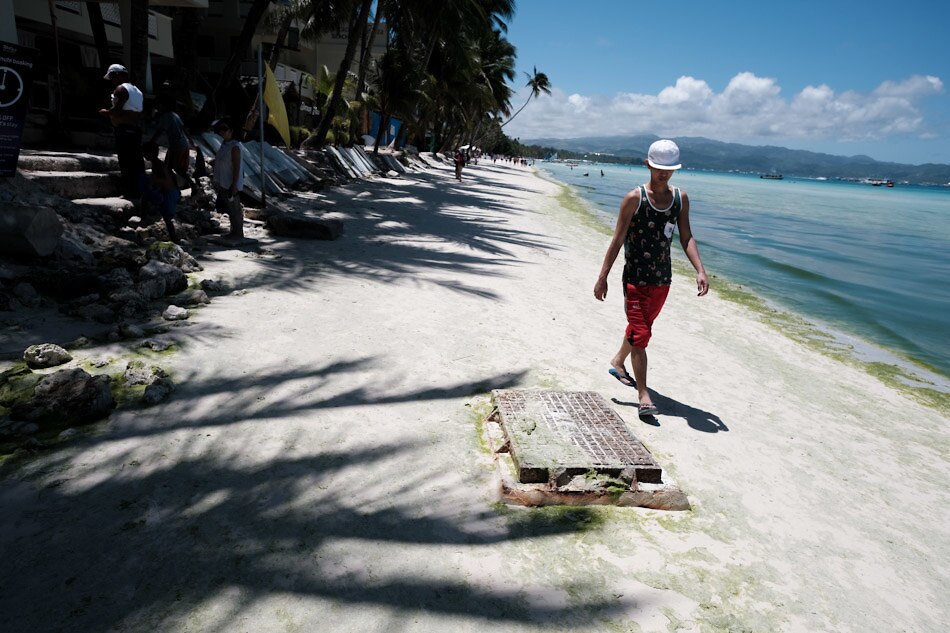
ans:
x=578 y=102
x=916 y=86
x=750 y=107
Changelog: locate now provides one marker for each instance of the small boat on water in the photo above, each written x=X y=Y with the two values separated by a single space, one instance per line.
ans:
x=771 y=176
x=880 y=182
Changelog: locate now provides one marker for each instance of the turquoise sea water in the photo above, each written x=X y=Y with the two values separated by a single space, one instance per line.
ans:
x=870 y=262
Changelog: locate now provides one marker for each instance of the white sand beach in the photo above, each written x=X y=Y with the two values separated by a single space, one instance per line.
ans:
x=319 y=466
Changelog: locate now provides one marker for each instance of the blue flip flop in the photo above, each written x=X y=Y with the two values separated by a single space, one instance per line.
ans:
x=647 y=410
x=623 y=377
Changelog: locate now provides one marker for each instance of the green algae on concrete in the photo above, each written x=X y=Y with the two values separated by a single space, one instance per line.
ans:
x=478 y=411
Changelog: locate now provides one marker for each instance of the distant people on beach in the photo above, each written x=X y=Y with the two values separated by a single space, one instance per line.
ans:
x=178 y=141
x=459 y=163
x=648 y=217
x=162 y=191
x=229 y=177
x=125 y=115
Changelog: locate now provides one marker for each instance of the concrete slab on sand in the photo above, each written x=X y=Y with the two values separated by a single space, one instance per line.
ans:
x=572 y=448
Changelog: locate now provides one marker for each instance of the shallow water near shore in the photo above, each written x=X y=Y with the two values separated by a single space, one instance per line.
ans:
x=868 y=265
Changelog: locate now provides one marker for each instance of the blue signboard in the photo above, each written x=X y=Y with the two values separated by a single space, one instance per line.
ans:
x=16 y=76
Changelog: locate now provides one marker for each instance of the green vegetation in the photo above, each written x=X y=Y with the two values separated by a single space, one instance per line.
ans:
x=573 y=203
x=478 y=412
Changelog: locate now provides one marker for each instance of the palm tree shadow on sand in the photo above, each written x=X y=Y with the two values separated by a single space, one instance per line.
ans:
x=697 y=419
x=147 y=535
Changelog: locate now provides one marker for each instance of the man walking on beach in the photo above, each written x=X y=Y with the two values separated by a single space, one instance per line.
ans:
x=125 y=115
x=648 y=216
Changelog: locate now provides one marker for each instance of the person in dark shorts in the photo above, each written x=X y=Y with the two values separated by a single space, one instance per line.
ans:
x=179 y=142
x=162 y=191
x=648 y=217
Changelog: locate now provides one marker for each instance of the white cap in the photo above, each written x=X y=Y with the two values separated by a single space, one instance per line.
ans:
x=116 y=68
x=664 y=154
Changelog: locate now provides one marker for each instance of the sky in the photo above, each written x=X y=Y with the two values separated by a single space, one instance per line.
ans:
x=843 y=77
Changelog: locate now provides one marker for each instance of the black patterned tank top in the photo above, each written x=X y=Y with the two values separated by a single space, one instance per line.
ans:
x=647 y=245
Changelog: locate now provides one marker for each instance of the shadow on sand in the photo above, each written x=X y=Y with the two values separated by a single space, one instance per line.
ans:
x=110 y=533
x=697 y=419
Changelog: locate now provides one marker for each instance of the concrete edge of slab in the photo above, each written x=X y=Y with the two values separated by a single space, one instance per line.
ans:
x=662 y=496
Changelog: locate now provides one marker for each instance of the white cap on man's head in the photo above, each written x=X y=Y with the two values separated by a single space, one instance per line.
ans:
x=116 y=68
x=664 y=154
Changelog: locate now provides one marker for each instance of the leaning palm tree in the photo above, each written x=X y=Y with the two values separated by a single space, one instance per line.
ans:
x=322 y=86
x=357 y=26
x=538 y=82
x=231 y=68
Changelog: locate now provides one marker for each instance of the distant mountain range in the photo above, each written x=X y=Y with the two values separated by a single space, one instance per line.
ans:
x=704 y=153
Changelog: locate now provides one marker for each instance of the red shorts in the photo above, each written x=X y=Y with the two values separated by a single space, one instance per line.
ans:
x=643 y=304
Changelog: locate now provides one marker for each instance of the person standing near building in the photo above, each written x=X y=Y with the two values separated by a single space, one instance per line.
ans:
x=648 y=216
x=229 y=177
x=125 y=115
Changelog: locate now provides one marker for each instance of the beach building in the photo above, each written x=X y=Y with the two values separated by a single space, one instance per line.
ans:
x=299 y=56
x=70 y=61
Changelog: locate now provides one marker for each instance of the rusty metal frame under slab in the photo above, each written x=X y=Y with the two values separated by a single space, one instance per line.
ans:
x=665 y=496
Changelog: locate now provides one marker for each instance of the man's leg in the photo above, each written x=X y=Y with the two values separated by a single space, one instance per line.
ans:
x=128 y=149
x=236 y=216
x=170 y=227
x=638 y=358
x=643 y=305
x=619 y=361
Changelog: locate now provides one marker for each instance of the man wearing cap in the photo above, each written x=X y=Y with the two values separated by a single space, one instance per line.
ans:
x=125 y=115
x=648 y=217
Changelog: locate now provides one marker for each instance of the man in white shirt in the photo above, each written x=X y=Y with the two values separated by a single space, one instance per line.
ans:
x=125 y=115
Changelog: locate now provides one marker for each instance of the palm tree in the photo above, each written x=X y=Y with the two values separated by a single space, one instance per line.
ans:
x=366 y=46
x=357 y=25
x=445 y=40
x=231 y=67
x=98 y=27
x=139 y=42
x=187 y=27
x=538 y=83
x=392 y=90
x=322 y=86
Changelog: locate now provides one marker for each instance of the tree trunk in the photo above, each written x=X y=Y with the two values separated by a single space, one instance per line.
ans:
x=361 y=78
x=282 y=31
x=186 y=29
x=357 y=26
x=99 y=33
x=229 y=74
x=383 y=126
x=139 y=25
x=401 y=136
x=58 y=112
